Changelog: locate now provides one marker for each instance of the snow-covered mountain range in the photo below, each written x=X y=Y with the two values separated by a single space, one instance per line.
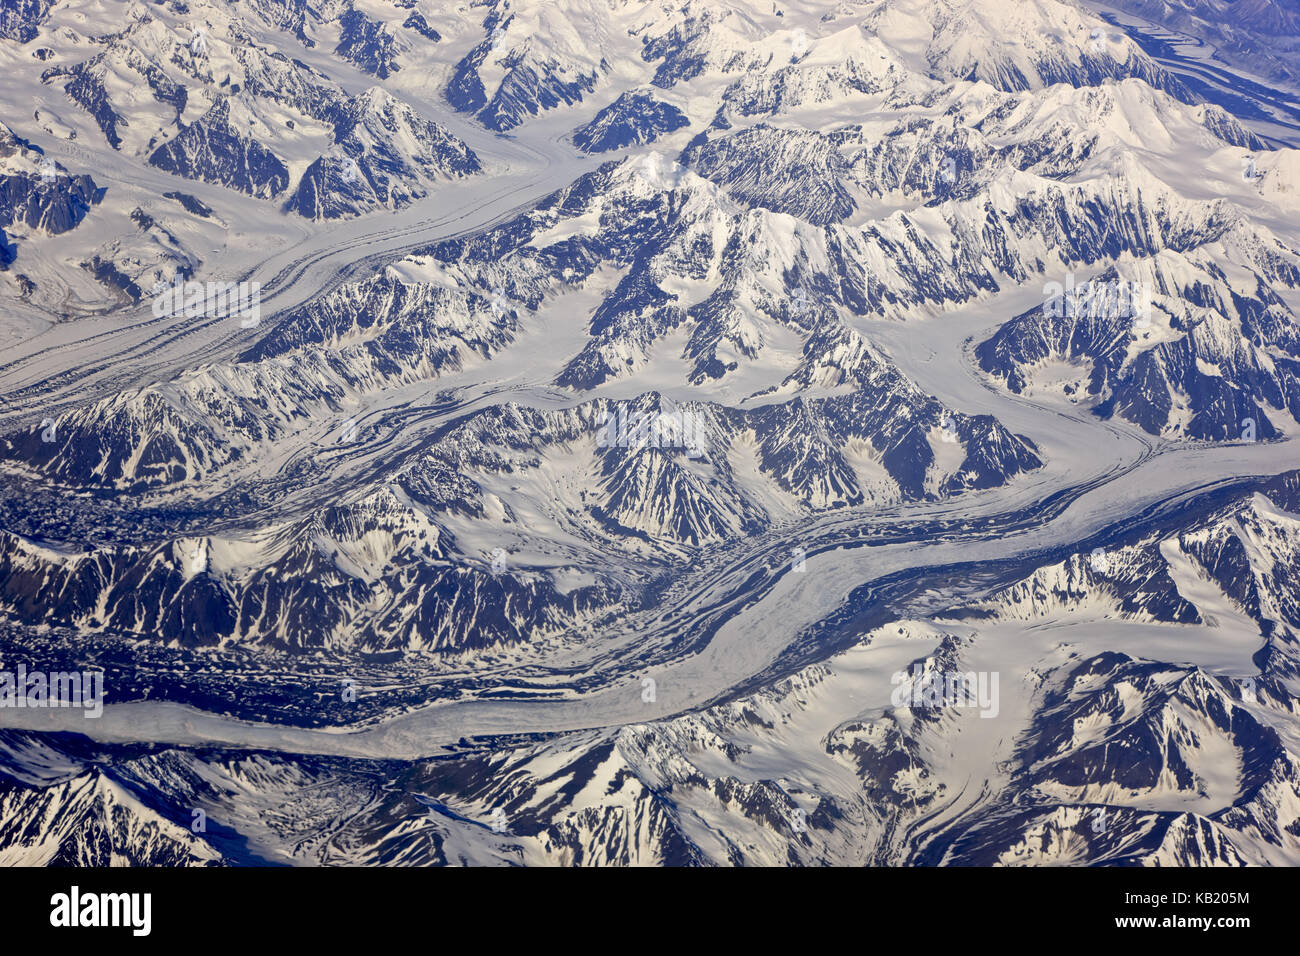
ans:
x=1260 y=36
x=696 y=433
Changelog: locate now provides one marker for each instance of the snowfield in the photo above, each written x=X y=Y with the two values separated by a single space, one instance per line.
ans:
x=916 y=550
